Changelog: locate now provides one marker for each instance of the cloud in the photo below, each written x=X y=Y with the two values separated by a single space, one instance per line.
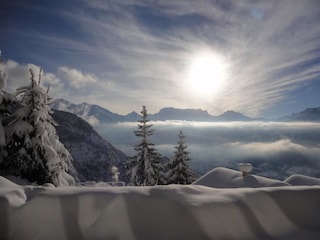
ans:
x=140 y=51
x=270 y=46
x=68 y=83
x=18 y=75
x=76 y=78
x=272 y=147
x=271 y=150
x=93 y=121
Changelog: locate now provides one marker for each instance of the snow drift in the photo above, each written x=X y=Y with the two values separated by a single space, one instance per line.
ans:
x=227 y=178
x=302 y=180
x=163 y=212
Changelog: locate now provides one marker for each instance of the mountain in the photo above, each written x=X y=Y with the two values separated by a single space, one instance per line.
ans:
x=309 y=114
x=95 y=114
x=93 y=156
x=170 y=113
x=133 y=116
x=232 y=116
x=91 y=113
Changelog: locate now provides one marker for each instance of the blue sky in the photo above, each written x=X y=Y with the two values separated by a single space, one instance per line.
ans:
x=125 y=54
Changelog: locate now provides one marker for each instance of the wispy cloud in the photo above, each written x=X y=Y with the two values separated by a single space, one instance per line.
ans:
x=76 y=78
x=270 y=45
x=139 y=52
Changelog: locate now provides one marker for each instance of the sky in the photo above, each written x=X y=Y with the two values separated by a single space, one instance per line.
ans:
x=260 y=58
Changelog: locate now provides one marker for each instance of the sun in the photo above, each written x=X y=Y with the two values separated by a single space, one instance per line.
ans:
x=207 y=75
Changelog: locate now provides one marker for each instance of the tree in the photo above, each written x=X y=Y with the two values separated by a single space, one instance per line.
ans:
x=6 y=102
x=179 y=171
x=144 y=167
x=34 y=149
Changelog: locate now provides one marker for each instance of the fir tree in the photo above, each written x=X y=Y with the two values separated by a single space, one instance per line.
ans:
x=144 y=167
x=6 y=102
x=179 y=171
x=34 y=149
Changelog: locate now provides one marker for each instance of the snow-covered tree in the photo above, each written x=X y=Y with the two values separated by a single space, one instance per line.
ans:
x=34 y=149
x=144 y=168
x=179 y=171
x=6 y=102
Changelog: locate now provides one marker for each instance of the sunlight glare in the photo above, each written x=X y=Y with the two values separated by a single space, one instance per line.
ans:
x=207 y=75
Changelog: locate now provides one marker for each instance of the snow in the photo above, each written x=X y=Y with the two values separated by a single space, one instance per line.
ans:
x=2 y=137
x=227 y=178
x=3 y=79
x=302 y=180
x=32 y=143
x=160 y=212
x=11 y=194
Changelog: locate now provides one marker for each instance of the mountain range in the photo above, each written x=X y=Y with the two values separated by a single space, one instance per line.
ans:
x=309 y=114
x=96 y=114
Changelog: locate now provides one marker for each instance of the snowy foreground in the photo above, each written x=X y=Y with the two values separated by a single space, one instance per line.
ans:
x=163 y=212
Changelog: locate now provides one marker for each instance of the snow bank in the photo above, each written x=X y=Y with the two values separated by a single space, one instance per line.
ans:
x=11 y=194
x=302 y=180
x=227 y=178
x=166 y=212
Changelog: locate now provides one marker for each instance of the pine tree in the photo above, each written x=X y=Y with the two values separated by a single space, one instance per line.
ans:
x=179 y=171
x=6 y=102
x=34 y=149
x=144 y=167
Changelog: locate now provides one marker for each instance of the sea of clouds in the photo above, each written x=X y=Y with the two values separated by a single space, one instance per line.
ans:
x=276 y=149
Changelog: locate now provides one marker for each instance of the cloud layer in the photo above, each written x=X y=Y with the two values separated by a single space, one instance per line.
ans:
x=276 y=149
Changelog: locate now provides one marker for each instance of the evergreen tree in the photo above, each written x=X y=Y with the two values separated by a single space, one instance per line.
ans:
x=144 y=167
x=179 y=171
x=6 y=102
x=34 y=149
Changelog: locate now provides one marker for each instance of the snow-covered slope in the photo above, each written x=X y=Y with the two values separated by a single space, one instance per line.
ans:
x=302 y=180
x=167 y=212
x=91 y=113
x=93 y=156
x=227 y=178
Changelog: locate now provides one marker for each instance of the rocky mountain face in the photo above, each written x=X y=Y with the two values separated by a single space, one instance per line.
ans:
x=93 y=156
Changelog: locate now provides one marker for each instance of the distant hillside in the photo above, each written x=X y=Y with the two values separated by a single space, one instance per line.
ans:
x=96 y=114
x=93 y=156
x=309 y=114
x=88 y=112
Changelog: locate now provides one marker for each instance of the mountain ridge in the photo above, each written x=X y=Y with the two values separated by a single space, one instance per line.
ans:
x=309 y=114
x=96 y=114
